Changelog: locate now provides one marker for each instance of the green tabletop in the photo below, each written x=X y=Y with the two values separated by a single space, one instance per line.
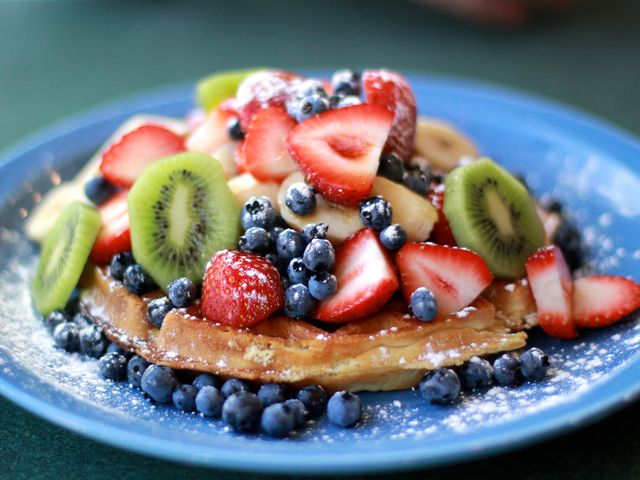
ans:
x=57 y=58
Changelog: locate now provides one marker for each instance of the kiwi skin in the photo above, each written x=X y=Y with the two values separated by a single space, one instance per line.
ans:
x=465 y=206
x=211 y=91
x=173 y=239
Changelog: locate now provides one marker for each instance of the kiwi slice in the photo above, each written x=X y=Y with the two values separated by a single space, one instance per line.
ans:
x=181 y=212
x=63 y=256
x=211 y=91
x=491 y=213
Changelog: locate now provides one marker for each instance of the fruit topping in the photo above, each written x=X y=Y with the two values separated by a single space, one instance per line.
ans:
x=135 y=369
x=314 y=399
x=344 y=409
x=184 y=397
x=114 y=236
x=258 y=212
x=441 y=232
x=346 y=82
x=423 y=304
x=301 y=198
x=391 y=167
x=209 y=401
x=234 y=385
x=119 y=264
x=440 y=386
x=113 y=366
x=375 y=213
x=534 y=364
x=159 y=382
x=601 y=300
x=242 y=412
x=323 y=285
x=137 y=280
x=306 y=107
x=181 y=292
x=290 y=244
x=568 y=239
x=417 y=179
x=319 y=255
x=255 y=240
x=92 y=341
x=271 y=393
x=476 y=374
x=67 y=336
x=298 y=302
x=206 y=379
x=278 y=420
x=506 y=369
x=212 y=134
x=338 y=151
x=98 y=190
x=393 y=237
x=442 y=145
x=211 y=91
x=157 y=309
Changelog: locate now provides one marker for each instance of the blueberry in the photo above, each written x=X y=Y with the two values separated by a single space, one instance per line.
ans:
x=319 y=255
x=344 y=409
x=157 y=309
x=346 y=82
x=234 y=385
x=440 y=386
x=322 y=285
x=314 y=230
x=271 y=393
x=234 y=129
x=310 y=86
x=280 y=263
x=417 y=180
x=119 y=263
x=184 y=397
x=113 y=366
x=297 y=272
x=423 y=304
x=278 y=420
x=135 y=370
x=206 y=379
x=391 y=167
x=255 y=240
x=137 y=281
x=73 y=304
x=242 y=411
x=300 y=198
x=159 y=382
x=98 y=190
x=65 y=335
x=182 y=292
x=340 y=101
x=300 y=412
x=506 y=369
x=274 y=233
x=298 y=302
x=307 y=107
x=115 y=348
x=290 y=244
x=209 y=401
x=534 y=364
x=393 y=237
x=376 y=213
x=476 y=374
x=258 y=212
x=314 y=399
x=82 y=320
x=55 y=318
x=567 y=238
x=92 y=341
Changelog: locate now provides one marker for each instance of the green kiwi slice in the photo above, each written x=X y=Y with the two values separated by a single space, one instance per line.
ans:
x=63 y=256
x=211 y=91
x=491 y=213
x=181 y=212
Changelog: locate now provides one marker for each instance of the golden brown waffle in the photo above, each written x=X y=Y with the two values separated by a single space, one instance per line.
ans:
x=387 y=351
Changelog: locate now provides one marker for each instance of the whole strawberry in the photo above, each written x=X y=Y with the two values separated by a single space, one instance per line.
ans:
x=240 y=289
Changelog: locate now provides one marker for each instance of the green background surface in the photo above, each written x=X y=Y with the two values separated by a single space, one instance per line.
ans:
x=57 y=58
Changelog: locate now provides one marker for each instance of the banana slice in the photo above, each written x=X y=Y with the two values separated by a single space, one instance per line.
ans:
x=412 y=211
x=342 y=221
x=246 y=186
x=226 y=156
x=441 y=144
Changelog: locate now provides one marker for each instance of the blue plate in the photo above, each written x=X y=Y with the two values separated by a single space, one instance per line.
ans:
x=592 y=167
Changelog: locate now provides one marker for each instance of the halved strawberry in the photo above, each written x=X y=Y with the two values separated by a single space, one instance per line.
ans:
x=552 y=288
x=240 y=289
x=366 y=280
x=265 y=145
x=455 y=276
x=601 y=300
x=238 y=156
x=114 y=236
x=125 y=160
x=211 y=134
x=339 y=150
x=390 y=90
x=441 y=232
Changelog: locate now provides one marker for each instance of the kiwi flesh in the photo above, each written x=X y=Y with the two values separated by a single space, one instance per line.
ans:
x=181 y=212
x=63 y=256
x=211 y=91
x=491 y=213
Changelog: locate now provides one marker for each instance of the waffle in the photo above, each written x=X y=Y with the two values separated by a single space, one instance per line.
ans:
x=386 y=351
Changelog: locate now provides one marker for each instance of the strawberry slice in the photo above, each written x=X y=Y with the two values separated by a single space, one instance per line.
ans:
x=114 y=236
x=455 y=276
x=441 y=232
x=601 y=300
x=125 y=160
x=339 y=150
x=391 y=91
x=552 y=289
x=366 y=280
x=240 y=289
x=211 y=134
x=265 y=145
x=238 y=156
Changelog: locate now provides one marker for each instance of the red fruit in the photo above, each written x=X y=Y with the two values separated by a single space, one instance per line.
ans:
x=238 y=155
x=114 y=236
x=441 y=232
x=366 y=280
x=601 y=300
x=265 y=145
x=211 y=134
x=125 y=160
x=240 y=289
x=552 y=289
x=230 y=105
x=391 y=91
x=455 y=276
x=264 y=89
x=339 y=150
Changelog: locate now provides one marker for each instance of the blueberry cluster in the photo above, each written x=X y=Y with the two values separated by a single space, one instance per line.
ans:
x=376 y=213
x=443 y=386
x=76 y=333
x=417 y=175
x=181 y=293
x=123 y=267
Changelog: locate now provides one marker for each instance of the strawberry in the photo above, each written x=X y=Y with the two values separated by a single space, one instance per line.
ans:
x=124 y=161
x=230 y=105
x=552 y=289
x=601 y=300
x=455 y=276
x=238 y=155
x=240 y=289
x=211 y=134
x=114 y=236
x=441 y=232
x=366 y=280
x=391 y=91
x=265 y=145
x=339 y=150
